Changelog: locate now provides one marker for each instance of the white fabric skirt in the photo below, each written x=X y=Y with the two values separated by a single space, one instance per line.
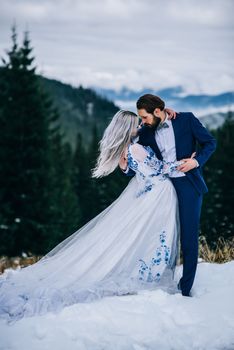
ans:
x=132 y=245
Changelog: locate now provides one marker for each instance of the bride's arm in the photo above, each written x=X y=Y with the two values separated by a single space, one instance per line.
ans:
x=139 y=153
x=170 y=167
x=123 y=164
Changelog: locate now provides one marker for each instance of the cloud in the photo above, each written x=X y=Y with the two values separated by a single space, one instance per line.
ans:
x=135 y=43
x=209 y=13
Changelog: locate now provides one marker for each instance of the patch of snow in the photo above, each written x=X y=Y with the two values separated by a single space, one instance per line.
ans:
x=147 y=321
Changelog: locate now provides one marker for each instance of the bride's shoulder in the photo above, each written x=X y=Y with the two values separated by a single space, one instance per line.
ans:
x=135 y=146
x=138 y=151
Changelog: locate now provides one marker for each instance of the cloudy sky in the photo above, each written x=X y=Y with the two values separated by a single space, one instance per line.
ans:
x=133 y=43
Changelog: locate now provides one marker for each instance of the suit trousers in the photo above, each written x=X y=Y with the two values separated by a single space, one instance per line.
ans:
x=190 y=202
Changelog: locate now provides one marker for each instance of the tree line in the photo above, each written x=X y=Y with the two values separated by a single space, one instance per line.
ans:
x=46 y=191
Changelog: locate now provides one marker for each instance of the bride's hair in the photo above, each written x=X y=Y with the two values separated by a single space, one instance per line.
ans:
x=116 y=136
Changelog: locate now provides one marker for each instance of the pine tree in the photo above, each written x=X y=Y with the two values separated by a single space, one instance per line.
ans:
x=66 y=212
x=29 y=200
x=24 y=152
x=96 y=185
x=217 y=215
x=82 y=179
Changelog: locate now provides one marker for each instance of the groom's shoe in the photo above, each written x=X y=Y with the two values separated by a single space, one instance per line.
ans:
x=179 y=286
x=182 y=292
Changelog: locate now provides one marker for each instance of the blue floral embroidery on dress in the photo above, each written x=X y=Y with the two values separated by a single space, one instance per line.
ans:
x=156 y=167
x=133 y=164
x=163 y=168
x=162 y=255
x=153 y=162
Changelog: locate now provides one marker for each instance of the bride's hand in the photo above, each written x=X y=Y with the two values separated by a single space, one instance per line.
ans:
x=171 y=113
x=123 y=163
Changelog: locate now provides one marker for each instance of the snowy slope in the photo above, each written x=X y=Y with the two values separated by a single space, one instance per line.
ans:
x=149 y=320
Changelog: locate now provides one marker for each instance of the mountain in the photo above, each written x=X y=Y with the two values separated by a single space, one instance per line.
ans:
x=126 y=94
x=80 y=109
x=210 y=108
x=214 y=120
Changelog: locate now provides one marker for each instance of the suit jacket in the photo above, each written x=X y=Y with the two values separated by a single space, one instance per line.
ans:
x=189 y=133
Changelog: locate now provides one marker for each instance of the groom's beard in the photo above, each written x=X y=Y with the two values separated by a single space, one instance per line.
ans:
x=155 y=124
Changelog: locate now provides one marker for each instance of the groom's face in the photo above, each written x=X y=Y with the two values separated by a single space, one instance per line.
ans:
x=147 y=118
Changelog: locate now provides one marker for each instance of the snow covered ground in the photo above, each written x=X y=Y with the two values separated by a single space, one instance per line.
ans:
x=150 y=320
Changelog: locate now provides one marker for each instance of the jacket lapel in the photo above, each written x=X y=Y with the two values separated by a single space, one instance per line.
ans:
x=154 y=146
x=175 y=124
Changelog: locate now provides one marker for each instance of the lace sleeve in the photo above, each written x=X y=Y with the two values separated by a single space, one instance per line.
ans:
x=170 y=167
x=143 y=161
x=148 y=168
x=138 y=152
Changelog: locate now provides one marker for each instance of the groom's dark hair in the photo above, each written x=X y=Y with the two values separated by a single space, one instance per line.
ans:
x=150 y=102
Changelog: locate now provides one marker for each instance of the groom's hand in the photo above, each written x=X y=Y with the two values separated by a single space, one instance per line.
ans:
x=189 y=164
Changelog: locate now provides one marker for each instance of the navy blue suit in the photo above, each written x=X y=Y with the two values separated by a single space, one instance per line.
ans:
x=189 y=133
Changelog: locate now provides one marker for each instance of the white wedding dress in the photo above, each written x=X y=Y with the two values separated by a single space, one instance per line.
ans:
x=131 y=245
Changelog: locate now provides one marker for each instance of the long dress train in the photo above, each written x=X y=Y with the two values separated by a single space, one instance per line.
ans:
x=130 y=246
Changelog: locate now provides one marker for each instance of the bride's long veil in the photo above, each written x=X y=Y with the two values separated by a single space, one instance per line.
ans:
x=63 y=246
x=52 y=282
x=97 y=260
x=72 y=239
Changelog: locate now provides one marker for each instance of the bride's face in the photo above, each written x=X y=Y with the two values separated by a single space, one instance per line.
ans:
x=136 y=128
x=134 y=132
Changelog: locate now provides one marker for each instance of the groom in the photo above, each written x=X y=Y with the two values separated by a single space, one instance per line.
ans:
x=177 y=139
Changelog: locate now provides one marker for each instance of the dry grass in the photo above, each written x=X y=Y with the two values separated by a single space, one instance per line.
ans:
x=223 y=252
x=17 y=262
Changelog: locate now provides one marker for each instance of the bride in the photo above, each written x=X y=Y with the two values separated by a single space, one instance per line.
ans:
x=130 y=246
